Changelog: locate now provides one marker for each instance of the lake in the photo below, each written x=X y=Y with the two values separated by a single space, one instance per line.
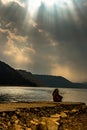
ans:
x=29 y=94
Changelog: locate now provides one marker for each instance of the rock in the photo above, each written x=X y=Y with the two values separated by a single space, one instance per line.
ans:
x=74 y=110
x=51 y=124
x=42 y=126
x=28 y=129
x=66 y=111
x=9 y=123
x=63 y=115
x=16 y=121
x=35 y=120
x=18 y=127
x=3 y=114
x=34 y=125
x=55 y=117
x=18 y=111
x=14 y=117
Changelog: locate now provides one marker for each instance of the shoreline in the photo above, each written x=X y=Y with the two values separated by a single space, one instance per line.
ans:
x=43 y=116
x=2 y=85
x=11 y=106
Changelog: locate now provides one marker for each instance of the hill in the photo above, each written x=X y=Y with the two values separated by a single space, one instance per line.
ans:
x=58 y=81
x=50 y=81
x=9 y=76
x=53 y=81
x=29 y=76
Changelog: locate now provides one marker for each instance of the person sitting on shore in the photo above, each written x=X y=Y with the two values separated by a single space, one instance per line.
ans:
x=56 y=96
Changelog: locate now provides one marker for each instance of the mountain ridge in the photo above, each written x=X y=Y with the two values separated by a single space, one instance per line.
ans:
x=59 y=81
x=53 y=81
x=10 y=76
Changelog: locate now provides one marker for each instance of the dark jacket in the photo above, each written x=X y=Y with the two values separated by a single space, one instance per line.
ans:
x=56 y=96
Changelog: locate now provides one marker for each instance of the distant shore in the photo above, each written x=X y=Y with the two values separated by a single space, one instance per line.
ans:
x=41 y=115
x=72 y=87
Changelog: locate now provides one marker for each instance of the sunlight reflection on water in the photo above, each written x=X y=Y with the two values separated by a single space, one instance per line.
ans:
x=28 y=94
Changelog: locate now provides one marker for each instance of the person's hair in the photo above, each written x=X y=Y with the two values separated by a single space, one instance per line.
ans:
x=55 y=91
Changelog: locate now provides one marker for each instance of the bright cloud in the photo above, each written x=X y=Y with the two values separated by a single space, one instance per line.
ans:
x=17 y=1
x=20 y=56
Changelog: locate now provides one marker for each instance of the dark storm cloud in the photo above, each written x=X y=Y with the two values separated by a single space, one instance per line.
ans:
x=56 y=36
x=14 y=13
x=70 y=33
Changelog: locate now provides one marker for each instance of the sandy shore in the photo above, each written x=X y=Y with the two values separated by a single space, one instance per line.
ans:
x=14 y=106
x=43 y=116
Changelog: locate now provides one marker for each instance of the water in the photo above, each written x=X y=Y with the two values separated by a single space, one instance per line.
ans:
x=29 y=94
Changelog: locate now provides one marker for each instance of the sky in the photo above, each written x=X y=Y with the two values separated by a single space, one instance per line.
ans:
x=45 y=36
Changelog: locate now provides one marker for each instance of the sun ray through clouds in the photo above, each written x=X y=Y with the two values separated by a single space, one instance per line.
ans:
x=33 y=30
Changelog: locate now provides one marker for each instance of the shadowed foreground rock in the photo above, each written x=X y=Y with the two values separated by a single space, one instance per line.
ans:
x=60 y=116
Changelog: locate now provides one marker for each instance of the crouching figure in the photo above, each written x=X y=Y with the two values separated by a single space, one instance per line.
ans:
x=56 y=96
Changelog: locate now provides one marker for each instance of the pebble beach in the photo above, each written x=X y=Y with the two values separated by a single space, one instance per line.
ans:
x=43 y=116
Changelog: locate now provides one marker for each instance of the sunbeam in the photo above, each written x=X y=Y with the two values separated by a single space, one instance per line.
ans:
x=33 y=5
x=45 y=36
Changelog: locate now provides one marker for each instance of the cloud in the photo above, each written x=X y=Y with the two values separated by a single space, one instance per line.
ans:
x=52 y=42
x=14 y=49
x=70 y=37
x=16 y=1
x=13 y=13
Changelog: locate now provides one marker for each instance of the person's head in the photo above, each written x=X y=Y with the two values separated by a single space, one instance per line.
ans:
x=56 y=91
